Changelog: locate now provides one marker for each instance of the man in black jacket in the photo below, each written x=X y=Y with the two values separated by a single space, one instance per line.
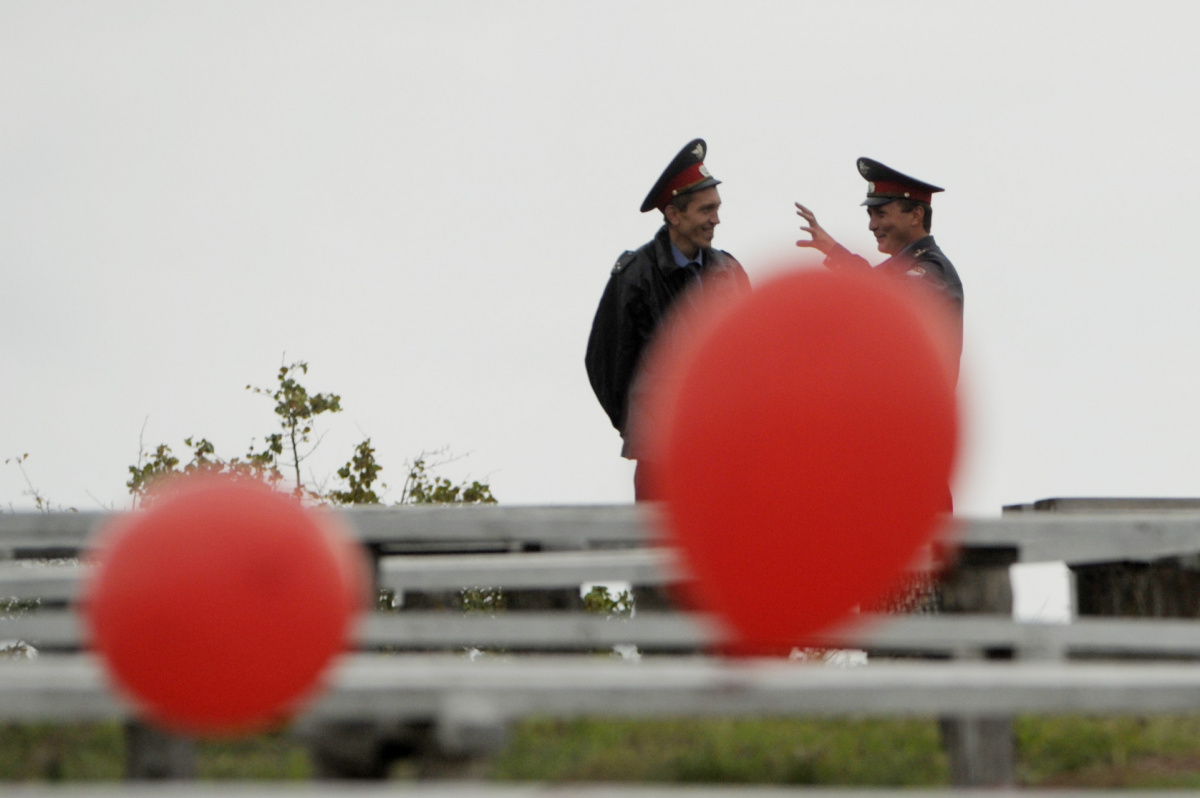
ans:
x=645 y=284
x=901 y=217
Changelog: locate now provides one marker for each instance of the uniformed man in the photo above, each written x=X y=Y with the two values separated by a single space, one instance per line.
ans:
x=901 y=217
x=646 y=283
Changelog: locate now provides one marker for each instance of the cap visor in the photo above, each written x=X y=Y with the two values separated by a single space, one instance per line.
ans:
x=650 y=203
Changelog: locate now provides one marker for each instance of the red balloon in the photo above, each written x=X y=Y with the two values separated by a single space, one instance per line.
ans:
x=352 y=565
x=218 y=609
x=803 y=439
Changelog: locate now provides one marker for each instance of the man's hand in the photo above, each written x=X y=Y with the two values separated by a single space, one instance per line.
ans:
x=820 y=239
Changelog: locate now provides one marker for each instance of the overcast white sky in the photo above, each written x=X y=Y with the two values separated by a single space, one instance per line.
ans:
x=423 y=200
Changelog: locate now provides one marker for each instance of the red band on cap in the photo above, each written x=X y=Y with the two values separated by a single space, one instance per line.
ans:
x=887 y=188
x=696 y=173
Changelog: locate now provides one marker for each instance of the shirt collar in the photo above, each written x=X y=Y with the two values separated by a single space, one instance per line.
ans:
x=682 y=260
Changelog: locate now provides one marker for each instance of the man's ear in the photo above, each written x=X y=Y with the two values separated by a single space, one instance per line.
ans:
x=920 y=216
x=671 y=215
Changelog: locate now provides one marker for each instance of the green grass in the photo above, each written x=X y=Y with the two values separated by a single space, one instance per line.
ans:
x=1158 y=752
x=275 y=757
x=61 y=752
x=1109 y=752
x=96 y=752
x=739 y=751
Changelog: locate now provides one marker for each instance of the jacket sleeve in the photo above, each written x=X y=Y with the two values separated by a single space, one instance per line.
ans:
x=619 y=333
x=842 y=258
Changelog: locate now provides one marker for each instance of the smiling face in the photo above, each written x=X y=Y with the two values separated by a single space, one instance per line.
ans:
x=894 y=228
x=692 y=229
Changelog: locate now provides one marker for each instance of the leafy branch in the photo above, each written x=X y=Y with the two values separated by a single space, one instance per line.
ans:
x=298 y=411
x=40 y=501
x=422 y=487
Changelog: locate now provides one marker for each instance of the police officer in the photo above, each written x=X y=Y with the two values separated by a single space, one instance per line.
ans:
x=646 y=284
x=901 y=216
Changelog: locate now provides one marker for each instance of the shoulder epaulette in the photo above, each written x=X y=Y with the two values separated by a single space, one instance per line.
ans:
x=623 y=261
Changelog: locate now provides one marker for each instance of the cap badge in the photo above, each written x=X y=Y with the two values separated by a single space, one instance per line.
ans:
x=704 y=171
x=916 y=271
x=698 y=151
x=870 y=187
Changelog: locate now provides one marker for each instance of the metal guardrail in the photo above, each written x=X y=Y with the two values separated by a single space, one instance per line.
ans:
x=1037 y=537
x=962 y=636
x=434 y=688
x=545 y=570
x=557 y=547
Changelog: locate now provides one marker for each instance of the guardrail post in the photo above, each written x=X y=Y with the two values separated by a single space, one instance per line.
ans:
x=981 y=750
x=468 y=731
x=1164 y=588
x=152 y=754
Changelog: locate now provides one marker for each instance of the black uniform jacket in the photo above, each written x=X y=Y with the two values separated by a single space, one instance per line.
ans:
x=641 y=290
x=923 y=262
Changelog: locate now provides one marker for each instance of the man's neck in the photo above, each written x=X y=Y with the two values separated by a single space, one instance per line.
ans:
x=688 y=248
x=907 y=244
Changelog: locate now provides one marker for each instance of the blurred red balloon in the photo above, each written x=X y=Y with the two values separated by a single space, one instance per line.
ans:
x=352 y=565
x=219 y=608
x=802 y=441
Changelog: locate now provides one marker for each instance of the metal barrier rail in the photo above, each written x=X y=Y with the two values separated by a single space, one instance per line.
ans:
x=561 y=547
x=436 y=687
x=1037 y=537
x=967 y=636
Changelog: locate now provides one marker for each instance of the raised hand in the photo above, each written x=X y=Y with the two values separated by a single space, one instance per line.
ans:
x=820 y=239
